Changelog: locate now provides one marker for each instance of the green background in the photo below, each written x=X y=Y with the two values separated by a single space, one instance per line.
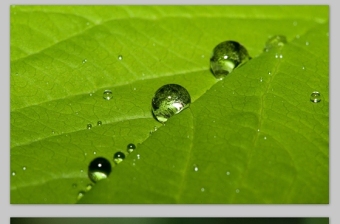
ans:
x=254 y=137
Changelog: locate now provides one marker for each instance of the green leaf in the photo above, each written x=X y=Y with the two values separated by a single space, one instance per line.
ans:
x=253 y=137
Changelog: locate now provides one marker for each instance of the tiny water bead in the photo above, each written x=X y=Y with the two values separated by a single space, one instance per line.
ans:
x=89 y=126
x=84 y=61
x=99 y=169
x=80 y=194
x=99 y=123
x=131 y=147
x=89 y=187
x=24 y=168
x=276 y=41
x=118 y=157
x=14 y=173
x=120 y=57
x=195 y=168
x=169 y=100
x=226 y=57
x=315 y=97
x=107 y=95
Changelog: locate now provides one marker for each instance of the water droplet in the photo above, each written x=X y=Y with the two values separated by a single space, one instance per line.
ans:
x=14 y=173
x=280 y=56
x=303 y=68
x=315 y=97
x=81 y=171
x=120 y=57
x=90 y=94
x=226 y=57
x=134 y=88
x=276 y=55
x=269 y=73
x=24 y=168
x=94 y=152
x=265 y=137
x=169 y=100
x=53 y=132
x=195 y=168
x=295 y=23
x=99 y=169
x=107 y=95
x=131 y=147
x=202 y=56
x=261 y=79
x=138 y=156
x=297 y=36
x=202 y=189
x=84 y=61
x=89 y=187
x=237 y=190
x=307 y=43
x=228 y=173
x=89 y=126
x=87 y=23
x=118 y=157
x=80 y=194
x=99 y=123
x=276 y=41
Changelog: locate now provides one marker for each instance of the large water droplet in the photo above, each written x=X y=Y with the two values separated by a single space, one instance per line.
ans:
x=169 y=100
x=107 y=95
x=276 y=41
x=99 y=169
x=118 y=157
x=315 y=97
x=131 y=147
x=226 y=57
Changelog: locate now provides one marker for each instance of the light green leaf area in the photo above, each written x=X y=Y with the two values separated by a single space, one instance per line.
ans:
x=253 y=137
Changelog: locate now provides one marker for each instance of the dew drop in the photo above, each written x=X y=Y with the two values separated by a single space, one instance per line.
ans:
x=138 y=156
x=94 y=152
x=297 y=36
x=237 y=190
x=131 y=147
x=14 y=173
x=80 y=195
x=120 y=57
x=84 y=61
x=195 y=168
x=307 y=43
x=90 y=94
x=118 y=157
x=107 y=94
x=99 y=169
x=53 y=132
x=265 y=137
x=315 y=97
x=226 y=57
x=202 y=189
x=280 y=56
x=24 y=168
x=89 y=187
x=295 y=23
x=261 y=79
x=276 y=41
x=269 y=73
x=99 y=123
x=169 y=100
x=303 y=68
x=228 y=173
x=81 y=171
x=89 y=126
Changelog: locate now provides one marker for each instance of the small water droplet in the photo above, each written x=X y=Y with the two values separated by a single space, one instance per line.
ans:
x=87 y=23
x=99 y=169
x=89 y=126
x=295 y=23
x=307 y=43
x=226 y=57
x=258 y=130
x=280 y=56
x=237 y=190
x=53 y=132
x=85 y=153
x=169 y=100
x=107 y=95
x=269 y=73
x=297 y=36
x=202 y=56
x=84 y=61
x=99 y=123
x=202 y=189
x=315 y=97
x=276 y=55
x=134 y=88
x=80 y=194
x=276 y=41
x=24 y=168
x=265 y=138
x=89 y=187
x=118 y=157
x=131 y=147
x=14 y=173
x=228 y=173
x=120 y=57
x=261 y=79
x=81 y=171
x=303 y=68
x=90 y=94
x=94 y=152
x=195 y=168
x=138 y=156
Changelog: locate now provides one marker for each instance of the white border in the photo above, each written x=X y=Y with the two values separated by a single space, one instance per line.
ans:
x=331 y=210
